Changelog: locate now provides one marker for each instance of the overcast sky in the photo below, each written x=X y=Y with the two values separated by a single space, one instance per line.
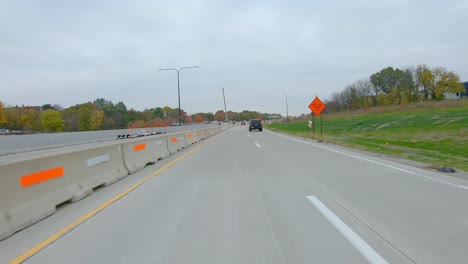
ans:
x=71 y=52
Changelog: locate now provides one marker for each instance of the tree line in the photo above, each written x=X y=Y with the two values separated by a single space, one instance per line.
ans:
x=396 y=86
x=103 y=115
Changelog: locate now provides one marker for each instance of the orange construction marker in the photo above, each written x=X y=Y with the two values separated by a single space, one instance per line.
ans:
x=37 y=177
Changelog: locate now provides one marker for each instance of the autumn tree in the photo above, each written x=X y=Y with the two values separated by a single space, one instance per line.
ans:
x=445 y=81
x=245 y=115
x=30 y=118
x=84 y=116
x=174 y=114
x=97 y=118
x=170 y=120
x=52 y=120
x=425 y=80
x=13 y=118
x=158 y=122
x=2 y=114
x=188 y=120
x=137 y=124
x=199 y=118
x=231 y=115
x=115 y=115
x=219 y=115
x=205 y=116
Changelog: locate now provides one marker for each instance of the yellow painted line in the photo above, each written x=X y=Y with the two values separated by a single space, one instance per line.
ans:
x=31 y=252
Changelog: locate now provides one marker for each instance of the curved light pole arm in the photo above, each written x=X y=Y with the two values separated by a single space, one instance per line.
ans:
x=287 y=109
x=178 y=85
x=189 y=67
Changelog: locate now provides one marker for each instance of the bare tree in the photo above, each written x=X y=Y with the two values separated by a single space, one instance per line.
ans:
x=364 y=91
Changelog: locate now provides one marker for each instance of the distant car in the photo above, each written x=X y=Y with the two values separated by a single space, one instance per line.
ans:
x=243 y=123
x=255 y=124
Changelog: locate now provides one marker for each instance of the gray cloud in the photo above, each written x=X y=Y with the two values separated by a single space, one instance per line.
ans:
x=69 y=52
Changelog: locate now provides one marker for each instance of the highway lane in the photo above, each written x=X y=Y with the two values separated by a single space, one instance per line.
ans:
x=14 y=144
x=251 y=197
x=422 y=213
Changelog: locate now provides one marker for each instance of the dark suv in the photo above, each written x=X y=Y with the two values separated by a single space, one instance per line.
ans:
x=255 y=124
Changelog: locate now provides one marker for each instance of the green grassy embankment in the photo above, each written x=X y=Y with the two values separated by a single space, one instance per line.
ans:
x=435 y=133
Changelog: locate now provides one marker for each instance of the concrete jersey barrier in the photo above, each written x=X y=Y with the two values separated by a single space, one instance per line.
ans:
x=191 y=137
x=30 y=189
x=176 y=142
x=141 y=151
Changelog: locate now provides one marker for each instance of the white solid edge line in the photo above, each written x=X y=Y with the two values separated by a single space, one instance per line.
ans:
x=368 y=252
x=375 y=162
x=257 y=144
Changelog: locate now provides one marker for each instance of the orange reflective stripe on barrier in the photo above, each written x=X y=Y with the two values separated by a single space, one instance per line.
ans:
x=37 y=177
x=189 y=135
x=139 y=147
x=173 y=140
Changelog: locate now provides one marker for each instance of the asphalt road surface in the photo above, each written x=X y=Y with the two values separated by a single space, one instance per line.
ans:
x=260 y=197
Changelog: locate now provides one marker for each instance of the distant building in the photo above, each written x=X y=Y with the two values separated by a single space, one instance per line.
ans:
x=457 y=95
x=453 y=96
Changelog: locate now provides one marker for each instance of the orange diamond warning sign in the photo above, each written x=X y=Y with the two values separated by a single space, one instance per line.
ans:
x=317 y=106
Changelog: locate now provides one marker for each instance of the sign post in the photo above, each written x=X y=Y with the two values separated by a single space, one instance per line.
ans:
x=313 y=124
x=321 y=130
x=317 y=107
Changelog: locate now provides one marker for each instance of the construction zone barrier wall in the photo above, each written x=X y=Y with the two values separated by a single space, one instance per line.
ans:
x=176 y=142
x=191 y=137
x=32 y=185
x=31 y=189
x=139 y=152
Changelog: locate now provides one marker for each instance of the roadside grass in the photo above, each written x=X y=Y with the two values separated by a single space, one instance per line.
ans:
x=435 y=133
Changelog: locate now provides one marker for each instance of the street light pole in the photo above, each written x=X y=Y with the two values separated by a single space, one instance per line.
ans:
x=178 y=85
x=287 y=111
x=225 y=109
